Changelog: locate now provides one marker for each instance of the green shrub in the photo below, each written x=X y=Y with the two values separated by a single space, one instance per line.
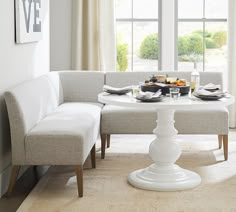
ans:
x=183 y=45
x=149 y=47
x=185 y=58
x=210 y=43
x=190 y=44
x=122 y=60
x=200 y=32
x=195 y=44
x=220 y=38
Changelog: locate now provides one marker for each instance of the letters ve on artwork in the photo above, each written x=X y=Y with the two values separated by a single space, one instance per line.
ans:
x=28 y=20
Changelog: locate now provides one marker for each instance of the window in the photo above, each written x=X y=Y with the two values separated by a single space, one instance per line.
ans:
x=202 y=34
x=137 y=35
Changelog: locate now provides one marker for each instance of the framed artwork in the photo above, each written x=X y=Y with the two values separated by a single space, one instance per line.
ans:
x=28 y=20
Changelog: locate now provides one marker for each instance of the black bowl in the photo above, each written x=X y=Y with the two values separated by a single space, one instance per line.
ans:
x=165 y=90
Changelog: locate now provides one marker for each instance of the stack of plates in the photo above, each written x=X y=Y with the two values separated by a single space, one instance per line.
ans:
x=119 y=91
x=150 y=96
x=209 y=95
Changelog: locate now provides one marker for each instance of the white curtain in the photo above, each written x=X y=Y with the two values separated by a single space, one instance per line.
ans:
x=93 y=35
x=232 y=59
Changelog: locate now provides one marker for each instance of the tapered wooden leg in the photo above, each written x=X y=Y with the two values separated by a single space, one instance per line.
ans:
x=220 y=137
x=103 y=148
x=79 y=176
x=225 y=144
x=108 y=140
x=93 y=156
x=14 y=175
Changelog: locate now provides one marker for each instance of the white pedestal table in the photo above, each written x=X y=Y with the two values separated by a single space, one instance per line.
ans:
x=164 y=174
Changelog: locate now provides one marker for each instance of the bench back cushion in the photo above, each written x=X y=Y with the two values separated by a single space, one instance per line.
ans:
x=27 y=104
x=120 y=79
x=81 y=86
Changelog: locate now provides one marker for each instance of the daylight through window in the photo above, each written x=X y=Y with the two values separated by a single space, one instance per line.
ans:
x=137 y=35
x=202 y=34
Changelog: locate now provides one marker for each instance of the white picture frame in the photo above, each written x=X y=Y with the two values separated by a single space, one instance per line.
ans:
x=28 y=20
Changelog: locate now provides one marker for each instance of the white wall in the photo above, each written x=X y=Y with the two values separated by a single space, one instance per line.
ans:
x=18 y=62
x=60 y=33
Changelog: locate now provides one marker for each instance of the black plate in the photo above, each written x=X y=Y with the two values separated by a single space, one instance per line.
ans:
x=211 y=90
x=208 y=97
x=117 y=92
x=155 y=99
x=165 y=90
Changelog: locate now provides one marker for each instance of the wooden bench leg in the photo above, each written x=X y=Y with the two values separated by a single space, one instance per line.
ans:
x=108 y=140
x=220 y=138
x=103 y=145
x=14 y=175
x=225 y=144
x=93 y=156
x=79 y=176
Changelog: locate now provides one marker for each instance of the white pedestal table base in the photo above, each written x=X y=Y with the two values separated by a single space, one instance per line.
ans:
x=164 y=174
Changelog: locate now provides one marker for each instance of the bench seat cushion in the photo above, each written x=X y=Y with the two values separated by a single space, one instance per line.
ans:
x=64 y=137
x=123 y=120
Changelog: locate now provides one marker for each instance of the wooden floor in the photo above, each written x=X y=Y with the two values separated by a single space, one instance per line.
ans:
x=23 y=186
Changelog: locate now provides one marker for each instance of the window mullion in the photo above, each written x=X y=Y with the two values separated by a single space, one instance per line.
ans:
x=137 y=19
x=176 y=35
x=132 y=36
x=201 y=20
x=159 y=35
x=204 y=34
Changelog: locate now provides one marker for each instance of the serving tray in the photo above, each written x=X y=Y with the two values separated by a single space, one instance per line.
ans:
x=165 y=90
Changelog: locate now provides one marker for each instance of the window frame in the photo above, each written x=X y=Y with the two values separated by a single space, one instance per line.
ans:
x=132 y=20
x=203 y=20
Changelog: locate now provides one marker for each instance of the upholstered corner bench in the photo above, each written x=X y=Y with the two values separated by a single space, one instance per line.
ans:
x=56 y=119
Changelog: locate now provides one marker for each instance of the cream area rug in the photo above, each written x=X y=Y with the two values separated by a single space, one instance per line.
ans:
x=106 y=187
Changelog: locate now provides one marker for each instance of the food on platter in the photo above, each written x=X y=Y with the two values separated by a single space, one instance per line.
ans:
x=158 y=78
x=164 y=82
x=181 y=82
x=171 y=80
x=156 y=84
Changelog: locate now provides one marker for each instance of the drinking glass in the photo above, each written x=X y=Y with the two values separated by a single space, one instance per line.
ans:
x=174 y=93
x=135 y=90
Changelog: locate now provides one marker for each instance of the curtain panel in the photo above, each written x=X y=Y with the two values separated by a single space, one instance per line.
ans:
x=232 y=59
x=93 y=35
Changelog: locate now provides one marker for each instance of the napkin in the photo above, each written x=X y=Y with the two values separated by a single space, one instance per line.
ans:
x=149 y=95
x=110 y=88
x=211 y=86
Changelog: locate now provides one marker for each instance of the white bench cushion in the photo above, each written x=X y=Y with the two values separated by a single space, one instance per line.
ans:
x=64 y=137
x=123 y=120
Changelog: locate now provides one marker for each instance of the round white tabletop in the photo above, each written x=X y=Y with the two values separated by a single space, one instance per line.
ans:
x=182 y=103
x=164 y=174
